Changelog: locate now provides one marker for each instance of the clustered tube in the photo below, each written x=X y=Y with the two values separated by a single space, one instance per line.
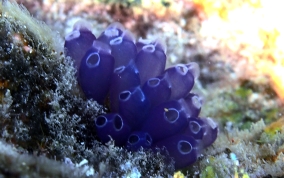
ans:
x=150 y=106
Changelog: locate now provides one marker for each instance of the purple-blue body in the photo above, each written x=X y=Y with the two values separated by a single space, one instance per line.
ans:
x=150 y=106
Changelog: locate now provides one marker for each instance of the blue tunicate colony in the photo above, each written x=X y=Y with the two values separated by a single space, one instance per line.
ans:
x=150 y=107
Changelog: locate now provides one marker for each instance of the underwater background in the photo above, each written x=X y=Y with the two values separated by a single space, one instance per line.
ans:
x=47 y=124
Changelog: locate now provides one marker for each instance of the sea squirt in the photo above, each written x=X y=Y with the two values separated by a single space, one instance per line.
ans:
x=150 y=106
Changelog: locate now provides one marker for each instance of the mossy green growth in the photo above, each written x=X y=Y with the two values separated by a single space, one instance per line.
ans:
x=244 y=105
x=208 y=172
x=272 y=130
x=243 y=92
